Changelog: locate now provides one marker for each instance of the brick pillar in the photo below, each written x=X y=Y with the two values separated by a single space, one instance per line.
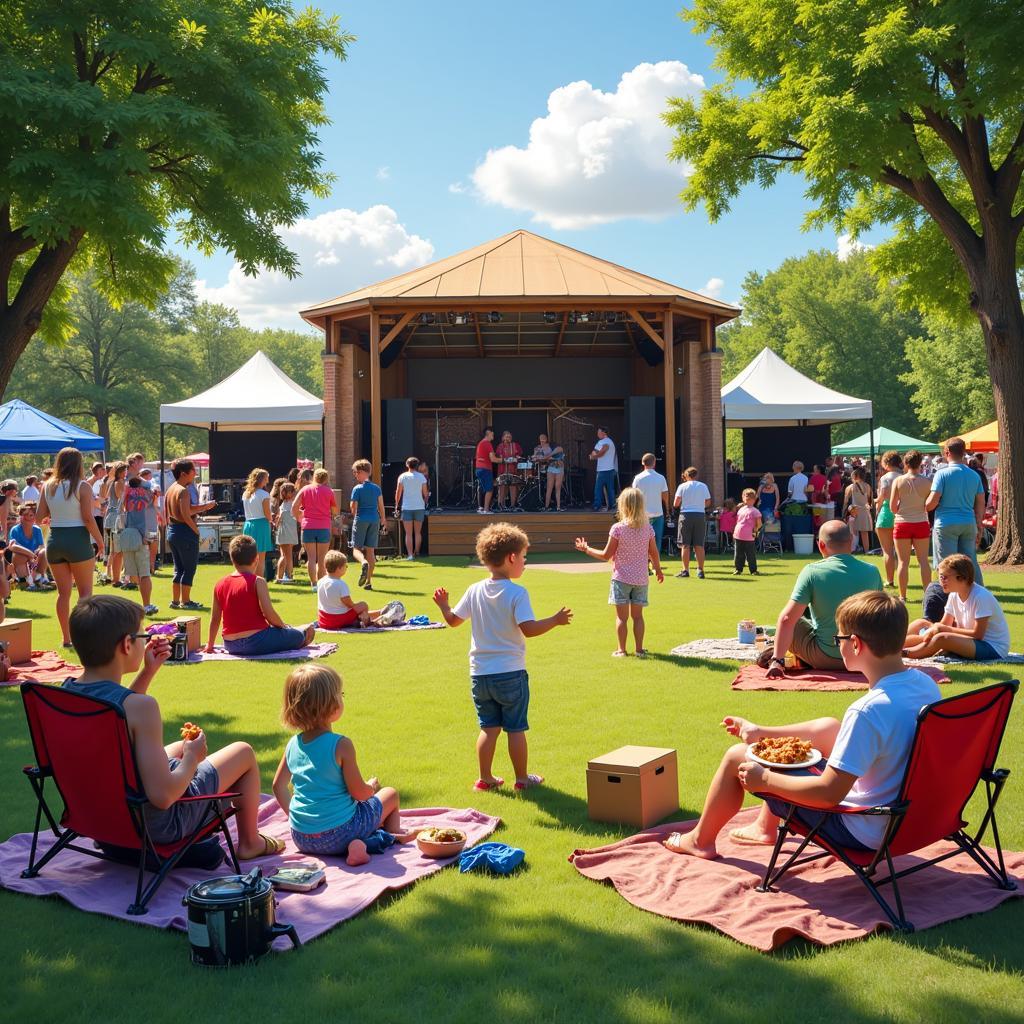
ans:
x=339 y=416
x=696 y=419
x=713 y=466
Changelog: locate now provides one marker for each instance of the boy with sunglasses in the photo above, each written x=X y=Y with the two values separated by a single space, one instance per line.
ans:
x=106 y=634
x=864 y=756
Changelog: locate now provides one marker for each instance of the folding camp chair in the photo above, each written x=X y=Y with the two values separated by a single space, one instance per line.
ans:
x=954 y=751
x=771 y=537
x=82 y=744
x=712 y=535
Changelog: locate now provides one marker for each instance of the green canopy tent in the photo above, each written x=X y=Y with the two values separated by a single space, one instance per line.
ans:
x=882 y=439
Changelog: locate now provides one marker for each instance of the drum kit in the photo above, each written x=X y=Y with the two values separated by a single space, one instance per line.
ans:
x=528 y=477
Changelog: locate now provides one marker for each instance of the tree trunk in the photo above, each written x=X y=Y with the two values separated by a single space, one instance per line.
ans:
x=996 y=301
x=103 y=426
x=21 y=319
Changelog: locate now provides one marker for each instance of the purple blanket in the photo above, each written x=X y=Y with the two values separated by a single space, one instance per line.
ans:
x=101 y=887
x=220 y=654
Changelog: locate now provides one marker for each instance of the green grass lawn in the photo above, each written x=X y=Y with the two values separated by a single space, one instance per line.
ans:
x=546 y=944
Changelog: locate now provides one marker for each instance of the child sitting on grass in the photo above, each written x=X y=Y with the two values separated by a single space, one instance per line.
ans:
x=865 y=754
x=106 y=633
x=631 y=544
x=331 y=810
x=251 y=624
x=500 y=618
x=973 y=626
x=335 y=607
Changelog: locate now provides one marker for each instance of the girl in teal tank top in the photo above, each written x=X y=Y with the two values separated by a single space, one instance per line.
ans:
x=332 y=811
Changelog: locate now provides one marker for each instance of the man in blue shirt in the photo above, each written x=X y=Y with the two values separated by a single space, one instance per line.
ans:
x=28 y=549
x=958 y=501
x=366 y=503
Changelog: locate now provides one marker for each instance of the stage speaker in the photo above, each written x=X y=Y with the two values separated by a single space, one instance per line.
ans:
x=641 y=425
x=235 y=453
x=398 y=429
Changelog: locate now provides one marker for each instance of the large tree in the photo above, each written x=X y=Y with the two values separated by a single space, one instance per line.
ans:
x=908 y=113
x=121 y=120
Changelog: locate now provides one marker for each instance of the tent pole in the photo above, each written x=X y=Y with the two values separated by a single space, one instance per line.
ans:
x=437 y=460
x=871 y=444
x=162 y=535
x=323 y=439
x=725 y=472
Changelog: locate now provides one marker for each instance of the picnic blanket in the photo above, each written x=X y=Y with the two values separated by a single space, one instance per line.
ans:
x=221 y=654
x=753 y=677
x=730 y=649
x=822 y=901
x=42 y=667
x=401 y=627
x=101 y=887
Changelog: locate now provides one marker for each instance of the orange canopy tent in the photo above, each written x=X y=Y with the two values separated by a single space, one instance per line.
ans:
x=983 y=439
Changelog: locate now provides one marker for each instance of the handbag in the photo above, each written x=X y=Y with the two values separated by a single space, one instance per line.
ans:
x=128 y=539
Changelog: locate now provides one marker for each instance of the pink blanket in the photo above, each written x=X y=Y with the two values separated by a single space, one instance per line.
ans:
x=752 y=677
x=822 y=901
x=42 y=667
x=220 y=654
x=104 y=888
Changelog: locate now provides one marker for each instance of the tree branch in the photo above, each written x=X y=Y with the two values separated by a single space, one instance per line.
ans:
x=1010 y=170
x=779 y=157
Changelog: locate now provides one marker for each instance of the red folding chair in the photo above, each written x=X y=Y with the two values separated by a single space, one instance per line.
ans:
x=82 y=744
x=954 y=751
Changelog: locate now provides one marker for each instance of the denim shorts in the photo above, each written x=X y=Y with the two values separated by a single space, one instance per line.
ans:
x=180 y=819
x=316 y=536
x=502 y=700
x=486 y=480
x=984 y=651
x=365 y=533
x=413 y=515
x=628 y=593
x=334 y=841
x=271 y=640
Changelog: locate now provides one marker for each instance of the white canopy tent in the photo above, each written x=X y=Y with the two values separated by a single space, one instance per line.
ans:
x=770 y=393
x=259 y=395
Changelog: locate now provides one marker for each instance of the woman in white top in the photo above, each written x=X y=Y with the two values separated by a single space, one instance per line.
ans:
x=67 y=499
x=411 y=495
x=256 y=503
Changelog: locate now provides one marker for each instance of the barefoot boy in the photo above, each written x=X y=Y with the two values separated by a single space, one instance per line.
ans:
x=866 y=753
x=335 y=607
x=106 y=635
x=500 y=618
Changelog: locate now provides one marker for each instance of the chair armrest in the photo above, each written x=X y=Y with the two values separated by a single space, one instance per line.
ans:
x=894 y=808
x=34 y=771
x=211 y=796
x=996 y=775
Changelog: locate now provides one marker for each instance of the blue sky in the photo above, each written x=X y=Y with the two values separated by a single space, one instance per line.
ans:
x=429 y=90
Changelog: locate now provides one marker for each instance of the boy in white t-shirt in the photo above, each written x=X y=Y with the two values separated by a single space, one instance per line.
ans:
x=335 y=608
x=500 y=617
x=411 y=493
x=973 y=626
x=865 y=755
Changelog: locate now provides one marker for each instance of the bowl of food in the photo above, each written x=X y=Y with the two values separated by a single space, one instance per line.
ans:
x=441 y=842
x=784 y=752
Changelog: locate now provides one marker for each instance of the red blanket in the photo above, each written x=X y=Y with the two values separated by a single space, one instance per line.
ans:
x=42 y=667
x=752 y=677
x=822 y=901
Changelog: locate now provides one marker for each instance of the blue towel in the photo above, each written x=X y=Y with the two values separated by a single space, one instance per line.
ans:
x=496 y=857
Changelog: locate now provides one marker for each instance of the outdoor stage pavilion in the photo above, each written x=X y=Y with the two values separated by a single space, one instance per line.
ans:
x=524 y=334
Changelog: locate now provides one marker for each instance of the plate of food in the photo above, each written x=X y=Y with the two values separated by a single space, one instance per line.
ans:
x=784 y=752
x=441 y=842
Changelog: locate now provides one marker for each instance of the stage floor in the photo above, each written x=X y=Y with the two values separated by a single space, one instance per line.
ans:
x=454 y=532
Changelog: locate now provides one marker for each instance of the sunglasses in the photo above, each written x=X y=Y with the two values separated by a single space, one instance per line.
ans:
x=837 y=637
x=138 y=636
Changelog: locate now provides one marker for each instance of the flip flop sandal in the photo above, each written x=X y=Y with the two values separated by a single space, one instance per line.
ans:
x=531 y=780
x=486 y=786
x=642 y=653
x=620 y=654
x=271 y=847
x=743 y=840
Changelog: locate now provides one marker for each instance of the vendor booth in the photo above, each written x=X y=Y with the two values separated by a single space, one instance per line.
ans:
x=983 y=439
x=785 y=417
x=253 y=417
x=25 y=430
x=882 y=439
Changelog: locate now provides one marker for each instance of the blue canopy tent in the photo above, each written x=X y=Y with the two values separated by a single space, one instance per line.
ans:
x=25 y=430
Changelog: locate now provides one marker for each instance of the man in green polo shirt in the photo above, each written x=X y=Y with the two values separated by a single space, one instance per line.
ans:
x=821 y=587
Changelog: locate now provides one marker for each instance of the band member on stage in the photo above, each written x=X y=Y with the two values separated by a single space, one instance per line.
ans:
x=604 y=481
x=509 y=454
x=485 y=464
x=553 y=460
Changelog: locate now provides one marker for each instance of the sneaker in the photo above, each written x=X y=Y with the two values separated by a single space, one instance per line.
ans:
x=737 y=572
x=364 y=571
x=150 y=609
x=175 y=605
x=409 y=558
x=683 y=574
x=285 y=579
x=192 y=606
x=367 y=586
x=754 y=572
x=129 y=586
x=700 y=574
x=479 y=511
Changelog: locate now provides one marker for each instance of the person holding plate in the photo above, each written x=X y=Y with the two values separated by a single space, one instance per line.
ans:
x=863 y=758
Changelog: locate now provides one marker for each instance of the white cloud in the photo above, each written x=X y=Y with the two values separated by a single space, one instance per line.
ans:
x=714 y=287
x=846 y=246
x=596 y=156
x=457 y=188
x=383 y=173
x=338 y=251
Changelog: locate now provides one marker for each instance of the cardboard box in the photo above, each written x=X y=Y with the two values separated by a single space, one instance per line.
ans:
x=17 y=634
x=192 y=624
x=633 y=786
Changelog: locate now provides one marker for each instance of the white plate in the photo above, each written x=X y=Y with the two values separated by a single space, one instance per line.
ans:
x=814 y=758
